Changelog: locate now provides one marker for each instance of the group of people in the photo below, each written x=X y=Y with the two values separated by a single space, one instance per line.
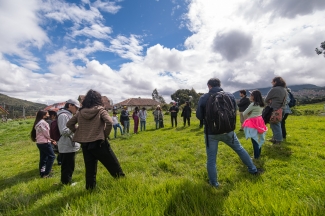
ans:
x=137 y=115
x=90 y=126
x=252 y=124
x=251 y=109
x=140 y=116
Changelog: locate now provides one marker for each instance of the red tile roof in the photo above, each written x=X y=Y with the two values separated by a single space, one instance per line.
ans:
x=138 y=102
x=3 y=111
x=55 y=107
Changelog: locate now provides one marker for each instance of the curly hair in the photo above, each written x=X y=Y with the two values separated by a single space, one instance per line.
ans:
x=92 y=98
x=279 y=81
x=258 y=100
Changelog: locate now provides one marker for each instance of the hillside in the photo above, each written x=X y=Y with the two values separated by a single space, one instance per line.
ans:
x=15 y=106
x=296 y=89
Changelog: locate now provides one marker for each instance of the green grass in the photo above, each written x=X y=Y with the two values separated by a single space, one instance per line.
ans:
x=166 y=175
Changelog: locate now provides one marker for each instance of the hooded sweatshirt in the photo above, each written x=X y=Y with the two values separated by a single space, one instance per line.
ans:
x=42 y=132
x=93 y=124
x=65 y=143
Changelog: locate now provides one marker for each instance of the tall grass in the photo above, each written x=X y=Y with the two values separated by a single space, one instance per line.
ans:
x=166 y=175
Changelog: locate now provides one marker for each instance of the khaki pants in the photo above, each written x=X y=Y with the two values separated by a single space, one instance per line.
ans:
x=242 y=119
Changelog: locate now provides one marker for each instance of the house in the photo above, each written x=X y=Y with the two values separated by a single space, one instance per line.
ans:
x=55 y=107
x=4 y=114
x=108 y=103
x=3 y=111
x=131 y=103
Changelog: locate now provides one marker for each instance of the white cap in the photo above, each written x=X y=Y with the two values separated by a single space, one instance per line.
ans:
x=74 y=102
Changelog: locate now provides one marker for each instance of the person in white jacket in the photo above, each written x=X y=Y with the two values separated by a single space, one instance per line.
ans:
x=67 y=147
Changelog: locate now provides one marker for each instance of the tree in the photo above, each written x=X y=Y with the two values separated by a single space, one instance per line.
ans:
x=157 y=97
x=182 y=95
x=321 y=50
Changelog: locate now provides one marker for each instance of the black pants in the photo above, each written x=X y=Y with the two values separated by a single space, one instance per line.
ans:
x=283 y=125
x=67 y=166
x=59 y=159
x=201 y=123
x=188 y=120
x=172 y=118
x=257 y=149
x=99 y=151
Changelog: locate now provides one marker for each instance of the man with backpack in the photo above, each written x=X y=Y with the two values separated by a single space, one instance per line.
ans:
x=218 y=111
x=67 y=147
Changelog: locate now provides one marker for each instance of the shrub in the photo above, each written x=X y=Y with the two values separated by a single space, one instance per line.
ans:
x=309 y=112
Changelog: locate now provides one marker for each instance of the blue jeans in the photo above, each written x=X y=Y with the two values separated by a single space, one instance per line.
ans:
x=126 y=126
x=257 y=149
x=115 y=129
x=47 y=158
x=157 y=124
x=277 y=131
x=212 y=149
x=142 y=124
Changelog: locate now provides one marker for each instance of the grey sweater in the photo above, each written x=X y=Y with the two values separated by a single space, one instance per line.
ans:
x=65 y=143
x=276 y=97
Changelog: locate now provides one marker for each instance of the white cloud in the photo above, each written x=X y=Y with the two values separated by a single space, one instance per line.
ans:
x=106 y=6
x=96 y=30
x=128 y=48
x=244 y=50
x=20 y=28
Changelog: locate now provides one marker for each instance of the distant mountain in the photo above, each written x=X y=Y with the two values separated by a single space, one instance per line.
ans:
x=294 y=88
x=15 y=106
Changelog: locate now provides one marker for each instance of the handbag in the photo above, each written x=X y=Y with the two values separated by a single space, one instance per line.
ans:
x=266 y=114
x=276 y=116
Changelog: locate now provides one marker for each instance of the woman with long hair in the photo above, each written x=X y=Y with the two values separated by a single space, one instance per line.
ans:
x=135 y=117
x=41 y=135
x=254 y=126
x=91 y=127
x=276 y=98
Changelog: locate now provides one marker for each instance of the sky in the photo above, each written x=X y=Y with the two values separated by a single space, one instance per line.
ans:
x=53 y=50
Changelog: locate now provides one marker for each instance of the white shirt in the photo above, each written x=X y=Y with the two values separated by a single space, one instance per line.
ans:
x=115 y=120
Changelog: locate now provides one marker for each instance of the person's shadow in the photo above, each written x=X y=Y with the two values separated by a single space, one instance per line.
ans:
x=23 y=176
x=191 y=198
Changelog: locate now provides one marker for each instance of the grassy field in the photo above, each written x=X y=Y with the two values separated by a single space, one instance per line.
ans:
x=166 y=174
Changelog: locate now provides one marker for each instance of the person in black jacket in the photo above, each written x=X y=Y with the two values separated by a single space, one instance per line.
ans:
x=186 y=113
x=212 y=140
x=173 y=114
x=242 y=105
x=125 y=120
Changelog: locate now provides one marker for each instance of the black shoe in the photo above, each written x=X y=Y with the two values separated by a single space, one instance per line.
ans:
x=258 y=172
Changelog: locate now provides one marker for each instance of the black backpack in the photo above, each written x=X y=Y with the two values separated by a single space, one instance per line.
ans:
x=220 y=113
x=54 y=130
x=292 y=102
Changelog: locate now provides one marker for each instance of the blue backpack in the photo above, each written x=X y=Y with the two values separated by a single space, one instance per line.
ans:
x=292 y=102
